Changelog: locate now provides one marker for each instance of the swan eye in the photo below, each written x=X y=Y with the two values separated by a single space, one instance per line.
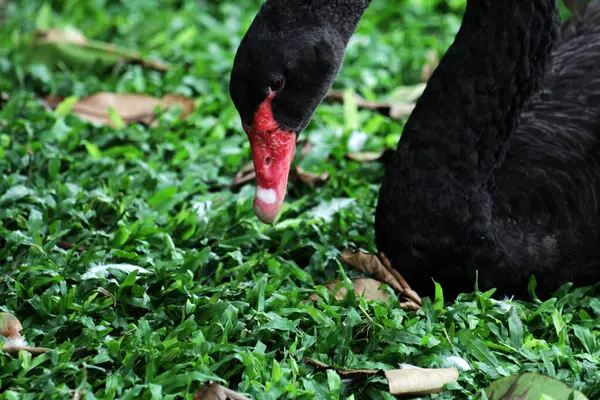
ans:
x=277 y=84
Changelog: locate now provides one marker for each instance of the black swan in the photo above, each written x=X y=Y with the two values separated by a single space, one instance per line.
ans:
x=497 y=174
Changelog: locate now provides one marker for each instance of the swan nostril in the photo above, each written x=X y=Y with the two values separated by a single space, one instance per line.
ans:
x=268 y=161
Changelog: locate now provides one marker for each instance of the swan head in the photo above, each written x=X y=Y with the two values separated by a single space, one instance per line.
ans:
x=283 y=68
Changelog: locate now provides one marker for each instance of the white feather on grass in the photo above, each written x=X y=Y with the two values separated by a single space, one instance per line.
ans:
x=99 y=271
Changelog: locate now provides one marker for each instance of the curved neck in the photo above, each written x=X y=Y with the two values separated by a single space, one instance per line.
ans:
x=340 y=16
x=460 y=127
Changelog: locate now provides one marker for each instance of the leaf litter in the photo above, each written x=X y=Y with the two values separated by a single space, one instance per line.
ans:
x=406 y=381
x=10 y=329
x=129 y=107
x=214 y=391
x=379 y=266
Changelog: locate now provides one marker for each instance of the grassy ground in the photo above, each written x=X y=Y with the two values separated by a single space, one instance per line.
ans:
x=222 y=297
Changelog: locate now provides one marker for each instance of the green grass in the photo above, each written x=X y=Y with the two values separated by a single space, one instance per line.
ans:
x=223 y=296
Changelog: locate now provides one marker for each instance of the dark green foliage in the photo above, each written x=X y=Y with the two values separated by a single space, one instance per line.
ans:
x=219 y=296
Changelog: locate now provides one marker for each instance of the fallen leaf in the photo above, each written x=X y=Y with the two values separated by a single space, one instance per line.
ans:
x=413 y=381
x=214 y=391
x=10 y=328
x=367 y=156
x=408 y=94
x=362 y=286
x=309 y=178
x=108 y=294
x=530 y=386
x=419 y=381
x=430 y=65
x=130 y=107
x=70 y=47
x=244 y=176
x=390 y=109
x=379 y=266
x=67 y=35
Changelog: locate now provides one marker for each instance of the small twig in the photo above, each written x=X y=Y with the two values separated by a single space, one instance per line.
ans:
x=30 y=169
x=70 y=246
x=108 y=294
x=12 y=348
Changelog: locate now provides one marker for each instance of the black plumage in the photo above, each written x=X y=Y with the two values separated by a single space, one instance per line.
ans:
x=497 y=173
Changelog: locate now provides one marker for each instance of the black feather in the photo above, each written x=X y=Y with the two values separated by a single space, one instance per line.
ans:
x=498 y=169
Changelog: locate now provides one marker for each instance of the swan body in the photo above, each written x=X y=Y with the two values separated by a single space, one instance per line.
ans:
x=497 y=174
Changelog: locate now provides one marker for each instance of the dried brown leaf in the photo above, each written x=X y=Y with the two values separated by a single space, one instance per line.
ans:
x=394 y=110
x=214 y=391
x=380 y=267
x=419 y=381
x=108 y=294
x=10 y=326
x=365 y=156
x=244 y=176
x=367 y=286
x=62 y=36
x=130 y=107
x=309 y=178
x=406 y=381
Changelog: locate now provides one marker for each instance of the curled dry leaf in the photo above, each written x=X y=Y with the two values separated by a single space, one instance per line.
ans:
x=394 y=110
x=362 y=286
x=108 y=294
x=244 y=176
x=365 y=157
x=10 y=328
x=379 y=266
x=71 y=47
x=406 y=381
x=309 y=178
x=58 y=35
x=419 y=381
x=214 y=391
x=129 y=106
